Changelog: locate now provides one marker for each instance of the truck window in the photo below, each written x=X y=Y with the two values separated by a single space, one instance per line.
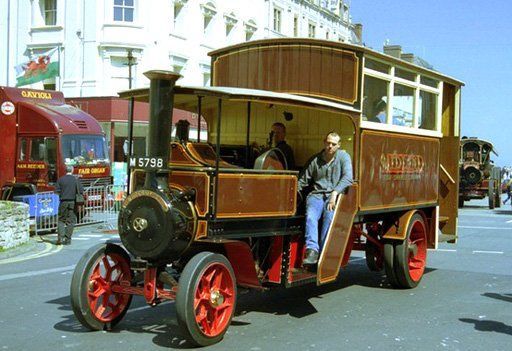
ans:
x=51 y=158
x=22 y=149
x=84 y=149
x=37 y=149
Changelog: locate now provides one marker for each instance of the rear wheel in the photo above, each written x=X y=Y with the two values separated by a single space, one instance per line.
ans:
x=389 y=263
x=206 y=298
x=411 y=254
x=374 y=257
x=94 y=303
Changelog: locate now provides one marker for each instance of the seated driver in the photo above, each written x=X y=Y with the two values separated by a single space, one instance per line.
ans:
x=279 y=134
x=329 y=173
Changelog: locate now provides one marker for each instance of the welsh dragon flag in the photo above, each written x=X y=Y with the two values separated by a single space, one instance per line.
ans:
x=40 y=67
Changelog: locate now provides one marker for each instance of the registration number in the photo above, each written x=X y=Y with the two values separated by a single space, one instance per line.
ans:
x=153 y=163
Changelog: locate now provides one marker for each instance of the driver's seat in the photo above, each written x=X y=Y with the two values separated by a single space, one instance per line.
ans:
x=272 y=159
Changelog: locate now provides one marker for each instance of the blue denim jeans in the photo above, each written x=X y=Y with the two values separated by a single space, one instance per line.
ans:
x=316 y=209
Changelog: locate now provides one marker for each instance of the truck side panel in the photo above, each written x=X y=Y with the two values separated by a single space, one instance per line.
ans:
x=8 y=144
x=397 y=171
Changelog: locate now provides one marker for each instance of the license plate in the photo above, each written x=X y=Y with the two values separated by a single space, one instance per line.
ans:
x=147 y=163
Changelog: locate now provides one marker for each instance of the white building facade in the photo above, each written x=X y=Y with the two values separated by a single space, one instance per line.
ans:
x=97 y=39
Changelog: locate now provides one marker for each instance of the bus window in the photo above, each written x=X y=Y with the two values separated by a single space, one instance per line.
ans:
x=405 y=74
x=375 y=97
x=429 y=81
x=403 y=105
x=376 y=66
x=427 y=116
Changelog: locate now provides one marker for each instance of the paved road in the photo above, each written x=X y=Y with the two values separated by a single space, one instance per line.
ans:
x=462 y=303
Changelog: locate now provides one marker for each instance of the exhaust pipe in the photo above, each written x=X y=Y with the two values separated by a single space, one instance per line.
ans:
x=161 y=102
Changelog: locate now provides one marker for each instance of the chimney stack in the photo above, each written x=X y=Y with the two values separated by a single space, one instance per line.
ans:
x=358 y=31
x=393 y=50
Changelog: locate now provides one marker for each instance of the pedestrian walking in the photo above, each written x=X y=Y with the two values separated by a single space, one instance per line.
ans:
x=67 y=188
x=508 y=190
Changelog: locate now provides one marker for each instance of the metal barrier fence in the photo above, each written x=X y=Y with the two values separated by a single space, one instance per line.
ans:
x=102 y=205
x=115 y=195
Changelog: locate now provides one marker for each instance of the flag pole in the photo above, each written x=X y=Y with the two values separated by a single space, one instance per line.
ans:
x=60 y=82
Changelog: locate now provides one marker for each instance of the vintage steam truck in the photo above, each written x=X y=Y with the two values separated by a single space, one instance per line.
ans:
x=478 y=175
x=41 y=135
x=195 y=226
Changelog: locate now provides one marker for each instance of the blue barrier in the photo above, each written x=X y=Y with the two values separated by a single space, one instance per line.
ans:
x=41 y=205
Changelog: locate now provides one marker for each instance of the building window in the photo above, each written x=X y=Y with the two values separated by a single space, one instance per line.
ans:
x=209 y=11
x=178 y=6
x=178 y=63
x=230 y=21
x=250 y=28
x=124 y=10
x=311 y=30
x=49 y=12
x=277 y=20
x=295 y=26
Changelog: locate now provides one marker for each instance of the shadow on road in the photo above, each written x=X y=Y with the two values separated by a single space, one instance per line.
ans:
x=502 y=211
x=160 y=321
x=489 y=326
x=502 y=297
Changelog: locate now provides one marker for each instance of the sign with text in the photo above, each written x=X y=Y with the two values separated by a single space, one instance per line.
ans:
x=147 y=163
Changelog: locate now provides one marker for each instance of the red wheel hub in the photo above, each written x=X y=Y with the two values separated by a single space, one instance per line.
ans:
x=110 y=269
x=417 y=251
x=213 y=299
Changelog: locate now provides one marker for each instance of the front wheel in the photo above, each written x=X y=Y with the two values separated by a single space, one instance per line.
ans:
x=94 y=303
x=206 y=298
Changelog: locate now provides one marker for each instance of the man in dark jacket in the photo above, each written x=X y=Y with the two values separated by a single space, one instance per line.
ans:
x=279 y=134
x=67 y=187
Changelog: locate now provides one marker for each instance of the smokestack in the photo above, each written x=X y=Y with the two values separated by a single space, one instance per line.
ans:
x=408 y=57
x=161 y=101
x=393 y=50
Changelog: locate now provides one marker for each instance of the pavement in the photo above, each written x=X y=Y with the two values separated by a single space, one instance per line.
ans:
x=39 y=243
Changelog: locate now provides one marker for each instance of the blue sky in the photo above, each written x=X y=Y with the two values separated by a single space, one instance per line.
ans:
x=469 y=40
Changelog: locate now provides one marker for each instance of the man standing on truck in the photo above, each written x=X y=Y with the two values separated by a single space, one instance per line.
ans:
x=67 y=187
x=329 y=173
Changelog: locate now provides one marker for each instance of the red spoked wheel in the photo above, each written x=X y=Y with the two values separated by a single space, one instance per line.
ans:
x=411 y=254
x=94 y=303
x=206 y=298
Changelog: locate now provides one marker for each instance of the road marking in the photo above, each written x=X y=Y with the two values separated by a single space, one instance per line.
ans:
x=489 y=252
x=444 y=250
x=509 y=221
x=36 y=273
x=493 y=228
x=47 y=251
x=91 y=235
x=81 y=239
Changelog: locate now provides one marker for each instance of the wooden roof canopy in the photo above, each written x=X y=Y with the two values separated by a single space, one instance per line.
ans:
x=339 y=45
